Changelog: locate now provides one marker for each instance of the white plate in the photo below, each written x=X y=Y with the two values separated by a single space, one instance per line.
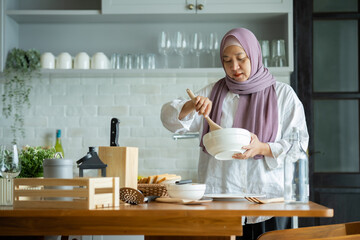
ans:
x=231 y=196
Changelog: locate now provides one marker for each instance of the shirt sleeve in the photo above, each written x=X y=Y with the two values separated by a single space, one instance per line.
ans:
x=170 y=117
x=293 y=115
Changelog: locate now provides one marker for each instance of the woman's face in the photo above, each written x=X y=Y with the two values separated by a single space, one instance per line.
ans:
x=236 y=63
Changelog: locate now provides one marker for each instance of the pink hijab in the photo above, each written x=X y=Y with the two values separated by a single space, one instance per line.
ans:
x=257 y=110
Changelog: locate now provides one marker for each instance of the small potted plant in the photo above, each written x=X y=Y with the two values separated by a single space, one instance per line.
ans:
x=32 y=159
x=21 y=66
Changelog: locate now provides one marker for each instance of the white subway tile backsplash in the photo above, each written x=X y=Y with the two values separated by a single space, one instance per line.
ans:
x=161 y=164
x=66 y=100
x=82 y=132
x=130 y=121
x=113 y=111
x=101 y=80
x=186 y=163
x=145 y=110
x=145 y=88
x=98 y=100
x=40 y=121
x=93 y=142
x=161 y=80
x=81 y=111
x=58 y=110
x=160 y=142
x=129 y=80
x=145 y=132
x=83 y=89
x=175 y=89
x=63 y=122
x=114 y=89
x=61 y=79
x=130 y=100
x=95 y=121
x=133 y=142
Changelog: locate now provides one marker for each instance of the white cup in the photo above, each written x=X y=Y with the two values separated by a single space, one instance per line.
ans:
x=64 y=61
x=99 y=61
x=47 y=60
x=82 y=61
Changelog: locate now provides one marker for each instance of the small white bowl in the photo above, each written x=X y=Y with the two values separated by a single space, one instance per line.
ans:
x=224 y=143
x=191 y=191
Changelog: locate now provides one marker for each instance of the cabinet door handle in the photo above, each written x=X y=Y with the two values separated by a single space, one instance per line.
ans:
x=200 y=6
x=190 y=6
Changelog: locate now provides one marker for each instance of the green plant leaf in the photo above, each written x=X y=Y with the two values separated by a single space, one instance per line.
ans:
x=21 y=66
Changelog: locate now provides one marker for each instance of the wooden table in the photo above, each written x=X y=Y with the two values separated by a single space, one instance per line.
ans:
x=217 y=218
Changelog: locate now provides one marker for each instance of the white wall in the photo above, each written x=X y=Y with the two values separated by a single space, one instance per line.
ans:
x=82 y=105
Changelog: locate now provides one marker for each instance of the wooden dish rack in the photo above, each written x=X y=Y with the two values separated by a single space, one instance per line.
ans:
x=56 y=193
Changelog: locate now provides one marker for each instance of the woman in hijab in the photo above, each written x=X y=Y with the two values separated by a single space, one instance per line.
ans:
x=247 y=97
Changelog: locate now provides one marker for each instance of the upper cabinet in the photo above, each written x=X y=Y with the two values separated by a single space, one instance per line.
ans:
x=133 y=26
x=194 y=6
x=148 y=7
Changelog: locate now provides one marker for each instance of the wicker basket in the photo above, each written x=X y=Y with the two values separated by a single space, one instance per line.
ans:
x=153 y=190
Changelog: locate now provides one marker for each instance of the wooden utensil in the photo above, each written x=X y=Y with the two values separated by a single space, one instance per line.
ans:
x=131 y=195
x=134 y=196
x=213 y=126
x=262 y=201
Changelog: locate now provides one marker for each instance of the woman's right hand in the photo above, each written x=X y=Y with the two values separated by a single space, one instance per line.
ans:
x=200 y=104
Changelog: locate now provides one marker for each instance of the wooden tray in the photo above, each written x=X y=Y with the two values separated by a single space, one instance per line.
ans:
x=56 y=193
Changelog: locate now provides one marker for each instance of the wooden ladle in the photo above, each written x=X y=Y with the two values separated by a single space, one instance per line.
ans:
x=213 y=126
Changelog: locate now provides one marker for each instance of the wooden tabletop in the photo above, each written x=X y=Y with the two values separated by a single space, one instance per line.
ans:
x=218 y=218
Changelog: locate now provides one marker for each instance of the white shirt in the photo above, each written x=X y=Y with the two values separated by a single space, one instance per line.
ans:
x=263 y=176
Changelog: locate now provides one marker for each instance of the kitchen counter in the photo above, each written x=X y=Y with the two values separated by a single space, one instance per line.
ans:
x=218 y=218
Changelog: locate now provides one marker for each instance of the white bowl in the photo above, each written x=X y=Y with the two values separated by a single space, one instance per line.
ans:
x=191 y=191
x=224 y=143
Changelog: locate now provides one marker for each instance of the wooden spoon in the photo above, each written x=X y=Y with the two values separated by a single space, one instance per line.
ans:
x=213 y=126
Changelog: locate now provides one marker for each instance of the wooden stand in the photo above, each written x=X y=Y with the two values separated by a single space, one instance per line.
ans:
x=122 y=162
x=86 y=193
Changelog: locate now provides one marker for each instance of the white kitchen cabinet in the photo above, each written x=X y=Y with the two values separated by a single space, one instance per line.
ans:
x=116 y=26
x=148 y=7
x=193 y=6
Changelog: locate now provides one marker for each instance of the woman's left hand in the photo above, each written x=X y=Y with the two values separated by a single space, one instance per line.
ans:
x=254 y=148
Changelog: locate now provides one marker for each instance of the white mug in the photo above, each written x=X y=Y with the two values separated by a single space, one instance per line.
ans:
x=82 y=61
x=64 y=61
x=99 y=61
x=47 y=60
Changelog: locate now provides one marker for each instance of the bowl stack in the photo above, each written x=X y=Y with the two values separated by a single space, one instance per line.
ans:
x=191 y=191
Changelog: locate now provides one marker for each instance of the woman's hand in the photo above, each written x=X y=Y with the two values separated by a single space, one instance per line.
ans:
x=201 y=104
x=254 y=148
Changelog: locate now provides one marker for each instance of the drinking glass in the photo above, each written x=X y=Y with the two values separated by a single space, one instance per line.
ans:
x=212 y=46
x=164 y=45
x=181 y=45
x=123 y=61
x=10 y=166
x=138 y=61
x=278 y=53
x=150 y=61
x=265 y=50
x=197 y=46
x=129 y=58
x=115 y=61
